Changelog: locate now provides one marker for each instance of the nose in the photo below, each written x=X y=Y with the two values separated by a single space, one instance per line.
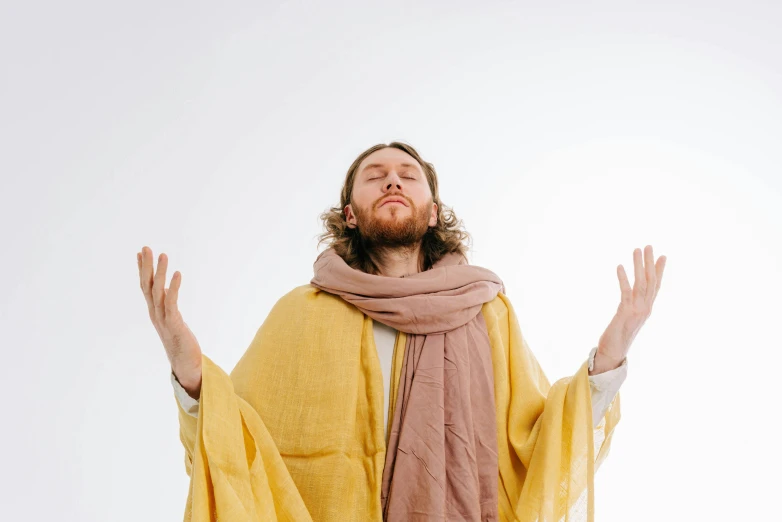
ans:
x=393 y=181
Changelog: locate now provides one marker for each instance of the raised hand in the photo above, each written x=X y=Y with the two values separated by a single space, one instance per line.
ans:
x=182 y=348
x=634 y=309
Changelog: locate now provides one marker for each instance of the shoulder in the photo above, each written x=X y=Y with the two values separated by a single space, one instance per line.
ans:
x=307 y=297
x=306 y=310
x=498 y=307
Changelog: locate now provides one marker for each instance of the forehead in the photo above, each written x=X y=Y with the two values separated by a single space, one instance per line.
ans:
x=389 y=157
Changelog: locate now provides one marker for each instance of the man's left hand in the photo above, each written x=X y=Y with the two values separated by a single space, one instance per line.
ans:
x=634 y=309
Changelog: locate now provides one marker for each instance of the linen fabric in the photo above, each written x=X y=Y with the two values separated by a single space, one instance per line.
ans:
x=295 y=432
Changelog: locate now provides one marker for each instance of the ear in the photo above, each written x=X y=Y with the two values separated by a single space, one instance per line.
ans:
x=350 y=217
x=433 y=217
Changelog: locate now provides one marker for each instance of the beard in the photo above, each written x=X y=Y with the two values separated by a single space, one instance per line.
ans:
x=394 y=231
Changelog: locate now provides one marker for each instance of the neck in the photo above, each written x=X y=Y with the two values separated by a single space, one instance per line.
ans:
x=397 y=262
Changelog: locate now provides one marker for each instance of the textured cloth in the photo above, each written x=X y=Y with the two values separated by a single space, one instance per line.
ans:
x=603 y=386
x=441 y=458
x=296 y=432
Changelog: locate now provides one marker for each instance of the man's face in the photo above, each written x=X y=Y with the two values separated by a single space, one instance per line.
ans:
x=391 y=201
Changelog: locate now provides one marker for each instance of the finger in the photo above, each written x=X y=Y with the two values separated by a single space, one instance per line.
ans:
x=139 y=256
x=651 y=277
x=639 y=288
x=158 y=285
x=146 y=277
x=659 y=269
x=624 y=285
x=145 y=273
x=146 y=283
x=172 y=294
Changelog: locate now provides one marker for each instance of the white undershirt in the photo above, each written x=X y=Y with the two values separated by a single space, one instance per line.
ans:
x=385 y=339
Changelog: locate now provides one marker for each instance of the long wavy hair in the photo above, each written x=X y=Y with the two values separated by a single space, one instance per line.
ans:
x=447 y=236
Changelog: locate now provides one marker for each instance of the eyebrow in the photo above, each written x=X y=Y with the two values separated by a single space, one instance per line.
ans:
x=378 y=165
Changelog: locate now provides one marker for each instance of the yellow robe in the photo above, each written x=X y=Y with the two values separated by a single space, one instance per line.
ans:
x=296 y=431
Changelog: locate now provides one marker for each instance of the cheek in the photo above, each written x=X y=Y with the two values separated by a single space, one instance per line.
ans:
x=420 y=196
x=364 y=196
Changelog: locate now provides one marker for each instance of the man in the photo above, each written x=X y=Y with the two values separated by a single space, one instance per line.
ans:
x=397 y=384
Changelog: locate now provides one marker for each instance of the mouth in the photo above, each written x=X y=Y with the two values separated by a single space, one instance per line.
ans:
x=393 y=201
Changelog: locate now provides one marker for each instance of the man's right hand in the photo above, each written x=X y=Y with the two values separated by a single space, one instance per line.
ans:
x=182 y=348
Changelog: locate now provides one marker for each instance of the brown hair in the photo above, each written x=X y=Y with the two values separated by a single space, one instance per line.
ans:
x=447 y=236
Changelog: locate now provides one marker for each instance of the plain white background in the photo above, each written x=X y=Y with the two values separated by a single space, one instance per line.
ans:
x=564 y=136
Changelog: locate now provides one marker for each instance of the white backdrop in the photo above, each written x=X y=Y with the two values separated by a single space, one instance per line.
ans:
x=565 y=136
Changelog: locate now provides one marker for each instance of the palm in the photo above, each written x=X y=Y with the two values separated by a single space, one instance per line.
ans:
x=635 y=305
x=182 y=348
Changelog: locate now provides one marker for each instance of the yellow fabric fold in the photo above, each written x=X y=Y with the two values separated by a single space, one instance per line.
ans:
x=296 y=431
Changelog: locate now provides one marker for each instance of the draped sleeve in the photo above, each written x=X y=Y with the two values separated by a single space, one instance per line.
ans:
x=235 y=469
x=549 y=448
x=295 y=432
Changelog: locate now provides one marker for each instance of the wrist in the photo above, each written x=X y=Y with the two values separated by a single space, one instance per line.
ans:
x=604 y=363
x=190 y=382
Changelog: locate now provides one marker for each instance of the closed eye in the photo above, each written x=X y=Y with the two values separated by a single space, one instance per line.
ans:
x=408 y=176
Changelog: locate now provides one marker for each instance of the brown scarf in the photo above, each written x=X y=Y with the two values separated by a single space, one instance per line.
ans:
x=441 y=460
